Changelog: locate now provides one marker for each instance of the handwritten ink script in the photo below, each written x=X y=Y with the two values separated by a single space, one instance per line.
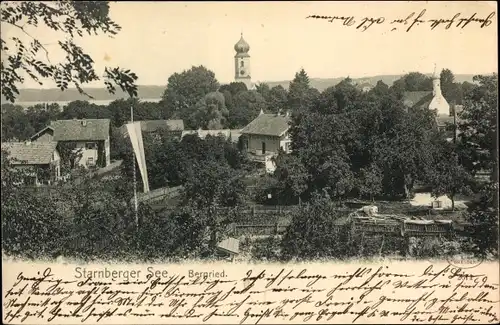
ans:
x=411 y=21
x=423 y=293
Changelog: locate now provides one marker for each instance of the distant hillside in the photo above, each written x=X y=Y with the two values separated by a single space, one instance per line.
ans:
x=322 y=84
x=29 y=97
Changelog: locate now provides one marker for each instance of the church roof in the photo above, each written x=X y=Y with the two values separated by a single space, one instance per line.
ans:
x=417 y=98
x=242 y=46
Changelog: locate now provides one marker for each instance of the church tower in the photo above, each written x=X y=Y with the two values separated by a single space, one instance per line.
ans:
x=438 y=103
x=242 y=63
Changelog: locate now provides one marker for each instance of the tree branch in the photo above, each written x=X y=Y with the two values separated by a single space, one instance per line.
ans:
x=29 y=35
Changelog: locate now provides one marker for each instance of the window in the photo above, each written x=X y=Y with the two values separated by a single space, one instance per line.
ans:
x=90 y=146
x=263 y=147
x=287 y=146
x=90 y=161
x=242 y=64
x=437 y=204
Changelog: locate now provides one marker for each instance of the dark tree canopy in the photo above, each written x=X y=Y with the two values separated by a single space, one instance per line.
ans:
x=186 y=89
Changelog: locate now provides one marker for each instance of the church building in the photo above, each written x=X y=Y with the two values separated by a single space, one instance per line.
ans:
x=446 y=114
x=242 y=63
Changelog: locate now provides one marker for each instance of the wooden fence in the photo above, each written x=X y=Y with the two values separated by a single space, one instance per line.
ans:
x=387 y=227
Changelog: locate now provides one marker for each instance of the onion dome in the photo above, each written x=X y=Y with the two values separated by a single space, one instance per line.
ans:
x=242 y=46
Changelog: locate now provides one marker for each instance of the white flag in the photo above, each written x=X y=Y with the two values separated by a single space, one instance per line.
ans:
x=135 y=134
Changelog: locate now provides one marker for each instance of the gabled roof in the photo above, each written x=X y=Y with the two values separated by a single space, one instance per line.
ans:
x=227 y=133
x=417 y=98
x=30 y=153
x=36 y=135
x=155 y=125
x=267 y=124
x=81 y=130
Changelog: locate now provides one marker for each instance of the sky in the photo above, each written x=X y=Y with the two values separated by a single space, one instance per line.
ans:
x=160 y=38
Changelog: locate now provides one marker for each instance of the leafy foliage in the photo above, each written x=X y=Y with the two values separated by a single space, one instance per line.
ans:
x=246 y=107
x=71 y=19
x=186 y=89
x=314 y=232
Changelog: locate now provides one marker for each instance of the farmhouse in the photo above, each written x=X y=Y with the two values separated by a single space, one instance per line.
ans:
x=88 y=137
x=265 y=136
x=40 y=161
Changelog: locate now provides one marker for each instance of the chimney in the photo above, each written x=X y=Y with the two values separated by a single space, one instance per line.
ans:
x=84 y=122
x=287 y=113
x=261 y=111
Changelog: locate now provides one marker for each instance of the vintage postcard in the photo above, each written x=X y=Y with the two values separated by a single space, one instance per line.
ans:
x=249 y=162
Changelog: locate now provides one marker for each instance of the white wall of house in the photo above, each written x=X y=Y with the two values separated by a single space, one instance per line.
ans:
x=285 y=142
x=56 y=160
x=89 y=153
x=107 y=150
x=258 y=143
x=272 y=144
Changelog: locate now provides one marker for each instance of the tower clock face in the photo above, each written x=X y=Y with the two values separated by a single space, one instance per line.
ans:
x=242 y=72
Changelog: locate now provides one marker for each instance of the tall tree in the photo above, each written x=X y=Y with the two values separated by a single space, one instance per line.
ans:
x=234 y=87
x=209 y=113
x=186 y=89
x=298 y=92
x=83 y=109
x=292 y=178
x=246 y=107
x=15 y=124
x=213 y=183
x=446 y=175
x=478 y=125
x=263 y=89
x=277 y=99
x=370 y=181
x=413 y=81
x=68 y=19
x=313 y=232
x=41 y=115
x=346 y=95
x=452 y=90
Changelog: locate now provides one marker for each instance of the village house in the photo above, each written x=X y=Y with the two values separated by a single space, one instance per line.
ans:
x=229 y=134
x=40 y=161
x=174 y=127
x=89 y=137
x=265 y=136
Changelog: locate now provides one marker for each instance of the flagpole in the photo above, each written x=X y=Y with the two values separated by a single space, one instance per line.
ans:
x=136 y=205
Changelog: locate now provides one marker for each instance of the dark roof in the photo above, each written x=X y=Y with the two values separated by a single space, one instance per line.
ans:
x=155 y=125
x=30 y=153
x=81 y=130
x=417 y=98
x=267 y=124
x=39 y=133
